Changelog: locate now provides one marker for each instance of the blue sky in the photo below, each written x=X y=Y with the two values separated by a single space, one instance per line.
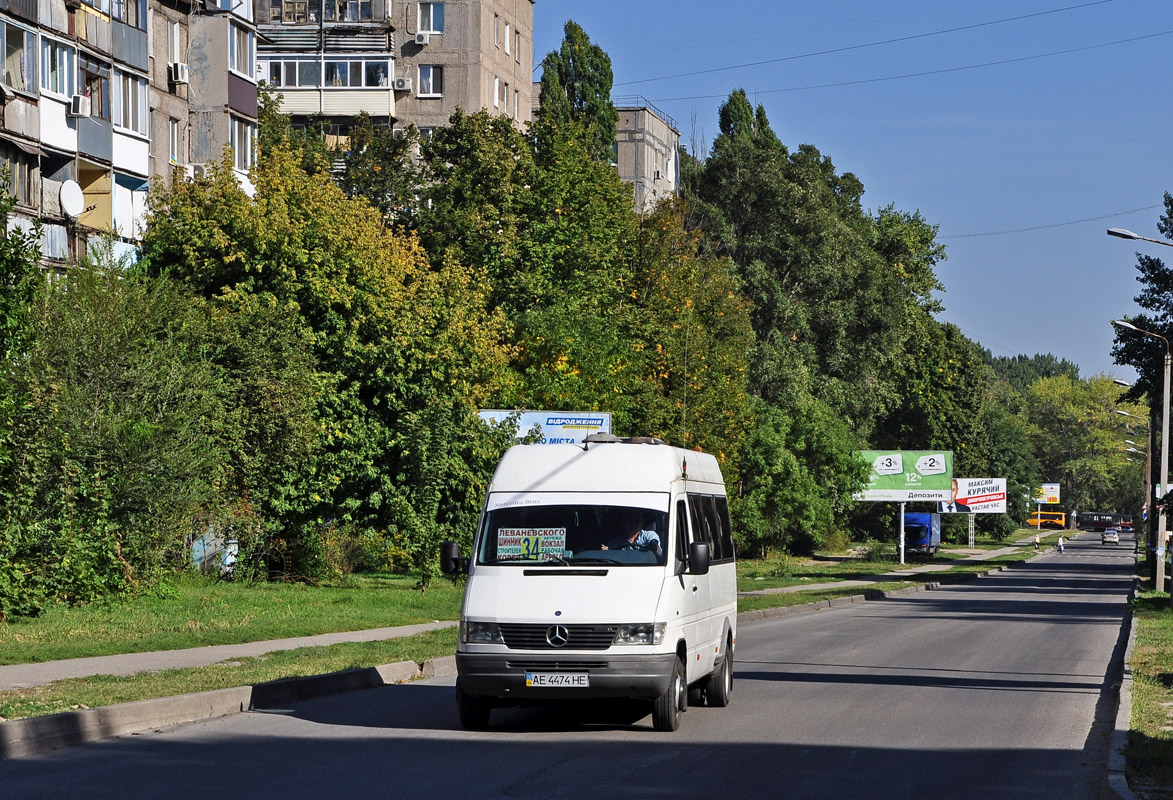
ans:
x=1049 y=115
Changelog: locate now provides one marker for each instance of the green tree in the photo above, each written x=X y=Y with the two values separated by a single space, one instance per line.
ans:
x=393 y=339
x=576 y=89
x=116 y=456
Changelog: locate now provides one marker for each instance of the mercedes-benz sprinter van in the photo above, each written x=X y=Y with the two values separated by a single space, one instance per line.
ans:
x=604 y=569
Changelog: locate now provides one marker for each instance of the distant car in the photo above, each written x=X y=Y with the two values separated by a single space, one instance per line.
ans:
x=1126 y=527
x=1110 y=536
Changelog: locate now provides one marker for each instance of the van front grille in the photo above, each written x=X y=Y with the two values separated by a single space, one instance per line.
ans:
x=557 y=666
x=537 y=637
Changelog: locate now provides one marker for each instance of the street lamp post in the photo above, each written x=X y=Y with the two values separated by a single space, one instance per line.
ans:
x=1160 y=578
x=1149 y=537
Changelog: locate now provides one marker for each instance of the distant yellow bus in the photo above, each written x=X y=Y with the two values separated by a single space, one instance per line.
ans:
x=1047 y=519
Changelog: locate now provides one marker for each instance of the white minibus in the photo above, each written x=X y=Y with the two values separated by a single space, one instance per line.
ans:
x=604 y=569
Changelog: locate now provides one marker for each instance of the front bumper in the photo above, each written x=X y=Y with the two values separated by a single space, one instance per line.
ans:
x=502 y=675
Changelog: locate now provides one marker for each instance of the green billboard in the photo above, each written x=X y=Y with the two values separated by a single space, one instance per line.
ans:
x=908 y=475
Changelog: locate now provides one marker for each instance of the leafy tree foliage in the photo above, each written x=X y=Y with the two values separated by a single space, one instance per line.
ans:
x=113 y=436
x=576 y=90
x=1021 y=371
x=397 y=344
x=1078 y=439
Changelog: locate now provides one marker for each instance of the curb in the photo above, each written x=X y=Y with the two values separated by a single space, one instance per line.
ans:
x=1116 y=782
x=21 y=738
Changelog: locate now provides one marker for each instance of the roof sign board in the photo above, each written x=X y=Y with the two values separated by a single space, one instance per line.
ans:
x=556 y=427
x=908 y=475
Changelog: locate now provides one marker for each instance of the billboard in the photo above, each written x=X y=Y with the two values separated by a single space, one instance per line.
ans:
x=908 y=475
x=1047 y=493
x=976 y=495
x=557 y=427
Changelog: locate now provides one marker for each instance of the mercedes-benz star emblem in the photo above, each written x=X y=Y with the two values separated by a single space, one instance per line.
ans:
x=557 y=635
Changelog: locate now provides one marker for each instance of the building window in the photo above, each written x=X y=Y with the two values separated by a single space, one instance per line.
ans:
x=240 y=51
x=20 y=54
x=348 y=10
x=432 y=17
x=174 y=44
x=516 y=104
x=173 y=141
x=240 y=137
x=517 y=47
x=130 y=102
x=295 y=11
x=431 y=80
x=497 y=30
x=496 y=92
x=58 y=73
x=508 y=38
x=95 y=84
x=132 y=12
x=22 y=174
x=338 y=75
x=101 y=5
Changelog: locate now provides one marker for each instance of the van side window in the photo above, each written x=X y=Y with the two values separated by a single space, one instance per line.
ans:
x=700 y=522
x=726 y=536
x=716 y=542
x=681 y=531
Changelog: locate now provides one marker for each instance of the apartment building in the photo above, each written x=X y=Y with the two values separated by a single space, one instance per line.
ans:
x=401 y=61
x=95 y=102
x=647 y=152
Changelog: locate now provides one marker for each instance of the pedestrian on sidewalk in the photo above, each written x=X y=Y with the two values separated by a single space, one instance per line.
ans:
x=1036 y=543
x=1060 y=544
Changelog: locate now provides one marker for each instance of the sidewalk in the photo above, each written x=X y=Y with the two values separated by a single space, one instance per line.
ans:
x=22 y=676
x=899 y=574
x=29 y=737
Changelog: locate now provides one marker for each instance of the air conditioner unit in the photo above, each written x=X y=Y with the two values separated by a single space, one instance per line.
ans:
x=200 y=171
x=403 y=84
x=422 y=38
x=188 y=171
x=79 y=106
x=180 y=72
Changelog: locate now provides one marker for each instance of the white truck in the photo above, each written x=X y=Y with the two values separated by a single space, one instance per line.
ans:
x=604 y=569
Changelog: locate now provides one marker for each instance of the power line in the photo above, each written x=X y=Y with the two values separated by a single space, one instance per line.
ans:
x=864 y=46
x=947 y=70
x=1052 y=225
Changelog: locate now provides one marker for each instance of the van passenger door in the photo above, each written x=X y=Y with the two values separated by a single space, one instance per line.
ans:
x=684 y=590
x=699 y=514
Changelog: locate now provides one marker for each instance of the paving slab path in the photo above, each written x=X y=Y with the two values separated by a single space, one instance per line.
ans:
x=22 y=676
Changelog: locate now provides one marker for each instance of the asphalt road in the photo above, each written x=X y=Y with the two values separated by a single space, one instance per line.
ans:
x=1001 y=687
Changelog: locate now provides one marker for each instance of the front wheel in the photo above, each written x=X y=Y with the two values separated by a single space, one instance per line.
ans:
x=720 y=685
x=474 y=711
x=667 y=707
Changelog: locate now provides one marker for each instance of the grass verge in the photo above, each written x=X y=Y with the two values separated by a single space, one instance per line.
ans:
x=193 y=611
x=1149 y=753
x=103 y=690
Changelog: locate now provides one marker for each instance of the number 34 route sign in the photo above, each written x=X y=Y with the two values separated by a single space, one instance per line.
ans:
x=908 y=475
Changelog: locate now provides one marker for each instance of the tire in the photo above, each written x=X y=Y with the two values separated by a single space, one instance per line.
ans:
x=696 y=695
x=667 y=707
x=720 y=685
x=474 y=711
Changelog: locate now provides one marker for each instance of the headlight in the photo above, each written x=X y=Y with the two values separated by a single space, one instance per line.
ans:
x=641 y=633
x=480 y=632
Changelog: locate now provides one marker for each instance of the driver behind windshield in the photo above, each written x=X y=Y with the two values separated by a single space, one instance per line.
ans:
x=634 y=537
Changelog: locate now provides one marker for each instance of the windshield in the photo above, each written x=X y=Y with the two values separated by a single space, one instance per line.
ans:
x=574 y=534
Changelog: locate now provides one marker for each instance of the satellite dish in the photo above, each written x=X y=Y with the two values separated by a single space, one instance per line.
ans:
x=72 y=200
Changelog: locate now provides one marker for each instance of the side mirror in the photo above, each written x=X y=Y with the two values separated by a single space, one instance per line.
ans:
x=698 y=558
x=450 y=560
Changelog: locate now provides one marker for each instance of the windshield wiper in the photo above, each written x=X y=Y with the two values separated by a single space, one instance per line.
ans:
x=595 y=561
